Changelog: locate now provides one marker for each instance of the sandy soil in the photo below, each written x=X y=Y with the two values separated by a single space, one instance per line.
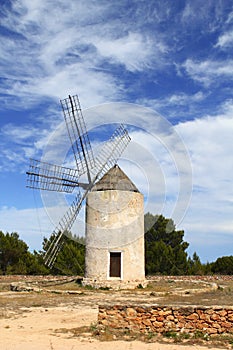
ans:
x=38 y=328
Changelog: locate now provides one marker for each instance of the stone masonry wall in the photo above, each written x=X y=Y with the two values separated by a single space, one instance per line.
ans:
x=161 y=319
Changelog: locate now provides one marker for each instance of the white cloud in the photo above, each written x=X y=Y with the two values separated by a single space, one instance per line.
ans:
x=21 y=142
x=12 y=157
x=225 y=40
x=208 y=72
x=184 y=99
x=180 y=99
x=230 y=17
x=134 y=50
x=20 y=134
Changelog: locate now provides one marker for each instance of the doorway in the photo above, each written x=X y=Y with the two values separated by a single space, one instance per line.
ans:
x=115 y=264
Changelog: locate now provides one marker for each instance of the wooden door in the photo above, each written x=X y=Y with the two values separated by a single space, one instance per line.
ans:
x=115 y=264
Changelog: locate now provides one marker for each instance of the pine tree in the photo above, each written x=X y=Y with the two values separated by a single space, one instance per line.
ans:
x=164 y=246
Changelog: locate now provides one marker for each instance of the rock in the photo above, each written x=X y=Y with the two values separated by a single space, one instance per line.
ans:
x=215 y=317
x=130 y=312
x=23 y=287
x=193 y=317
x=104 y=322
x=157 y=324
x=111 y=312
x=226 y=324
x=222 y=313
x=140 y=310
x=212 y=330
x=160 y=318
x=170 y=318
x=146 y=322
x=166 y=312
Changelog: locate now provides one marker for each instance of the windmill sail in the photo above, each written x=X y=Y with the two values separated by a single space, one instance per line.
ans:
x=51 y=177
x=64 y=226
x=111 y=151
x=78 y=135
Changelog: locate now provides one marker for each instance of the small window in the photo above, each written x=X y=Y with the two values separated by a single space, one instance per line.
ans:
x=115 y=264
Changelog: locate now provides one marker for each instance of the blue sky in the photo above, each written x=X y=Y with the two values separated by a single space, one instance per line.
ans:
x=165 y=68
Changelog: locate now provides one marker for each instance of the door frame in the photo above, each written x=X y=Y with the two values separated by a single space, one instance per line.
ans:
x=108 y=272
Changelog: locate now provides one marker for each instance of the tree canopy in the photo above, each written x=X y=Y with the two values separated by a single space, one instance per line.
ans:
x=165 y=249
x=15 y=257
x=223 y=265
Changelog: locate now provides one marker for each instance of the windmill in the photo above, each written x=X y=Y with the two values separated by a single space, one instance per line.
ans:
x=46 y=176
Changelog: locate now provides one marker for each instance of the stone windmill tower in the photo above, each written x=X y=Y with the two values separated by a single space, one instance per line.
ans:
x=114 y=233
x=114 y=207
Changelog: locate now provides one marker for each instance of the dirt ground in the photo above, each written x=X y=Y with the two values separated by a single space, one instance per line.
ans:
x=57 y=315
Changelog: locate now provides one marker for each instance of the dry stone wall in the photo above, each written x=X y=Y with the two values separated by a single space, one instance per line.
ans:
x=158 y=319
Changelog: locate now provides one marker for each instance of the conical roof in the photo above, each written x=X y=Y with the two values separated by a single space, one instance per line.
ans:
x=115 y=179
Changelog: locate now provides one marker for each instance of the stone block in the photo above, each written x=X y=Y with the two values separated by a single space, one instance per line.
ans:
x=209 y=311
x=111 y=312
x=226 y=324
x=216 y=325
x=166 y=312
x=215 y=317
x=130 y=312
x=205 y=318
x=222 y=313
x=140 y=310
x=160 y=318
x=212 y=331
x=146 y=322
x=170 y=318
x=193 y=317
x=201 y=325
x=157 y=324
x=104 y=322
x=180 y=325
